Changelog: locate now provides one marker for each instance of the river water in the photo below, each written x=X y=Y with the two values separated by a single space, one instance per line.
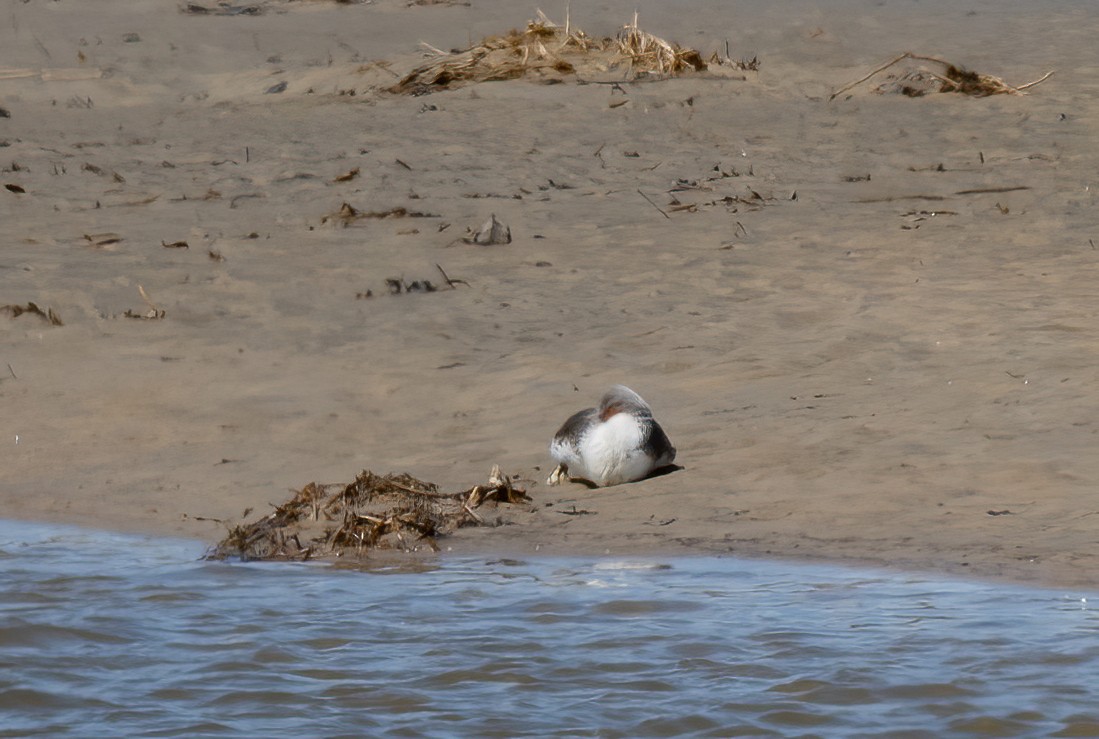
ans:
x=112 y=635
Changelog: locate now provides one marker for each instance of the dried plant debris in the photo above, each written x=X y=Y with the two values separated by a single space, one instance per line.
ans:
x=752 y=200
x=33 y=309
x=102 y=240
x=547 y=50
x=223 y=8
x=347 y=176
x=919 y=80
x=401 y=286
x=154 y=312
x=348 y=214
x=394 y=511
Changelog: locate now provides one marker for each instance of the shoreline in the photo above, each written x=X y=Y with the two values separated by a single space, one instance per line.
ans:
x=459 y=548
x=531 y=544
x=866 y=324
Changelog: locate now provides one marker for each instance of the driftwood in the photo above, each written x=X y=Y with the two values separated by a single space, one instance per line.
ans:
x=374 y=512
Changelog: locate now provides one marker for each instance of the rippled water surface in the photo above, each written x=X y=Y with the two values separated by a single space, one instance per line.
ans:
x=109 y=635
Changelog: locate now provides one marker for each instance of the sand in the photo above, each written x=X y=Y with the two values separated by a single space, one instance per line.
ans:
x=873 y=337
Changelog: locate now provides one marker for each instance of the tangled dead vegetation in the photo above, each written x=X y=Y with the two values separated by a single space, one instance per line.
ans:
x=946 y=77
x=32 y=308
x=394 y=511
x=348 y=214
x=550 y=51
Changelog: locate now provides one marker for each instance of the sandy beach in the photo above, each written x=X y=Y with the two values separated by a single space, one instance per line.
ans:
x=868 y=324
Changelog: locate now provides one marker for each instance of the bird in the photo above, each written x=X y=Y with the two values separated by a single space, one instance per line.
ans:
x=617 y=442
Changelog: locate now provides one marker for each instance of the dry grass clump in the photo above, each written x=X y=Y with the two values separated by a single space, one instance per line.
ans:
x=395 y=511
x=649 y=53
x=550 y=51
x=32 y=308
x=946 y=77
x=348 y=214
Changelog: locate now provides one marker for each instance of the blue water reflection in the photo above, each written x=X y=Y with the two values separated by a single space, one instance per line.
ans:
x=103 y=634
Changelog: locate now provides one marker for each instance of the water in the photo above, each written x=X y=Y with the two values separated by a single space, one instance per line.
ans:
x=110 y=635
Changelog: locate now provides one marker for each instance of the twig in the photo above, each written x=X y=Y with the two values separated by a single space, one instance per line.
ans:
x=434 y=50
x=245 y=196
x=147 y=299
x=475 y=516
x=859 y=81
x=14 y=377
x=987 y=84
x=983 y=190
x=450 y=282
x=207 y=518
x=1041 y=79
x=653 y=204
x=891 y=198
x=598 y=154
x=425 y=493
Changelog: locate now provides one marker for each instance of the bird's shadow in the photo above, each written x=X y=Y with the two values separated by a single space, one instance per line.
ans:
x=658 y=472
x=665 y=470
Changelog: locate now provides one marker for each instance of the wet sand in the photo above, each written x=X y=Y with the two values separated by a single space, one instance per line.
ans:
x=873 y=339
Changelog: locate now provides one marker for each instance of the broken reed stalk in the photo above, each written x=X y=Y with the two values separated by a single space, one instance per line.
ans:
x=1043 y=78
x=954 y=79
x=653 y=204
x=155 y=312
